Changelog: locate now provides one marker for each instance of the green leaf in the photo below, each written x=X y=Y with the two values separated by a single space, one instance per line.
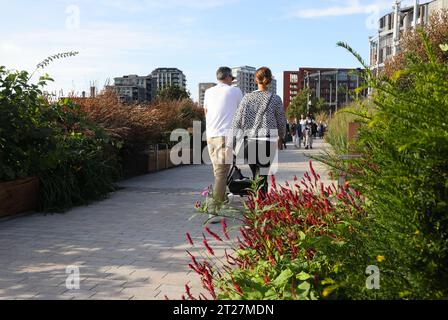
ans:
x=304 y=289
x=327 y=281
x=252 y=295
x=283 y=278
x=271 y=294
x=302 y=276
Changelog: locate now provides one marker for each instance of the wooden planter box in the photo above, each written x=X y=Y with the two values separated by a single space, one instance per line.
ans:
x=152 y=161
x=353 y=128
x=135 y=165
x=162 y=159
x=19 y=196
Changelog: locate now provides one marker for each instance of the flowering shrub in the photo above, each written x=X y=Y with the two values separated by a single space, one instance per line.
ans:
x=138 y=126
x=288 y=245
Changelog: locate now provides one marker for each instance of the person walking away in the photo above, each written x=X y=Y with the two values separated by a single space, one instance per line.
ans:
x=285 y=138
x=302 y=129
x=220 y=105
x=307 y=136
x=294 y=133
x=320 y=128
x=309 y=133
x=314 y=128
x=261 y=120
x=323 y=130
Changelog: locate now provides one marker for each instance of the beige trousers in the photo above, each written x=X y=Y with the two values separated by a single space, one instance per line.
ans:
x=217 y=151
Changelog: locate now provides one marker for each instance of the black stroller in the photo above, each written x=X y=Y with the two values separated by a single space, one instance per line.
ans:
x=239 y=184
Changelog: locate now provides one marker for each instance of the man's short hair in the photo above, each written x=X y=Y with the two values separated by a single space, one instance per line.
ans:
x=223 y=73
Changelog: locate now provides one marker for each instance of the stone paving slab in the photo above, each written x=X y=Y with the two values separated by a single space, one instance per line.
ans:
x=129 y=246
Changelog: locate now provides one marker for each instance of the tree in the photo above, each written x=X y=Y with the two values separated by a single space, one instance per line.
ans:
x=317 y=105
x=298 y=105
x=304 y=104
x=172 y=93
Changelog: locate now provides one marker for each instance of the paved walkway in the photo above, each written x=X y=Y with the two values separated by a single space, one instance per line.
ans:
x=130 y=246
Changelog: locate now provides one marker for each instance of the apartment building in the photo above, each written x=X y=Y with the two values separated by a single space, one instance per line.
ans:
x=385 y=43
x=245 y=80
x=202 y=88
x=134 y=88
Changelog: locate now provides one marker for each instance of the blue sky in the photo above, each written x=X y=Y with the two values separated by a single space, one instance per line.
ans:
x=117 y=37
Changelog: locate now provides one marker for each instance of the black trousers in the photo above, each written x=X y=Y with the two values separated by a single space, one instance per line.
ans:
x=260 y=156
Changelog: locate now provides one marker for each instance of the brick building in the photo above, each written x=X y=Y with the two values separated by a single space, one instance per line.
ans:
x=335 y=86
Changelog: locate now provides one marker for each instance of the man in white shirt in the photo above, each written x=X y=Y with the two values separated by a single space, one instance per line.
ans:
x=220 y=105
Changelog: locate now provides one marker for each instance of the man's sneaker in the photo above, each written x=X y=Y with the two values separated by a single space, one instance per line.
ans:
x=230 y=198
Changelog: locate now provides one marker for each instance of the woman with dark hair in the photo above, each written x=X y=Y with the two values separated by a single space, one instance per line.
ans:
x=261 y=123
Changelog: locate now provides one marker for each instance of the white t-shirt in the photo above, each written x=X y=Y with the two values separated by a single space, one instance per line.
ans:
x=221 y=103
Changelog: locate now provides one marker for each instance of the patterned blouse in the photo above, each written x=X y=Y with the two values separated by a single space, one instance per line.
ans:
x=273 y=123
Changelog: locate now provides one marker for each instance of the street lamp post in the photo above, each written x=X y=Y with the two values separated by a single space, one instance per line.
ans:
x=331 y=97
x=308 y=105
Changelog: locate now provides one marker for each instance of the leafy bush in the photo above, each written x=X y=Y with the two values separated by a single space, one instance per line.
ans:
x=84 y=161
x=25 y=132
x=403 y=174
x=73 y=158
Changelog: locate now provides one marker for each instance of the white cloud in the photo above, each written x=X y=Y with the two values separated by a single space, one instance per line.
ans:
x=349 y=7
x=138 y=5
x=105 y=50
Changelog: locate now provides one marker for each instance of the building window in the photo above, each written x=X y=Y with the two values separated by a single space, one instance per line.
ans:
x=294 y=78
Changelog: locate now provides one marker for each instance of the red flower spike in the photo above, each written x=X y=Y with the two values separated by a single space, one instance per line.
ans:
x=224 y=228
x=207 y=246
x=237 y=287
x=266 y=279
x=190 y=241
x=187 y=290
x=197 y=270
x=316 y=280
x=273 y=183
x=214 y=235
x=193 y=258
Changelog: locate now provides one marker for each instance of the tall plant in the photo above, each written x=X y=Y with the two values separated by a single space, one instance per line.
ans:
x=403 y=173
